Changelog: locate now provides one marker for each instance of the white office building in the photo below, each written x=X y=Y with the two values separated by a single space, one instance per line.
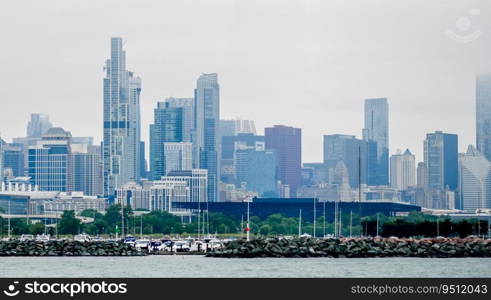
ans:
x=474 y=180
x=178 y=156
x=402 y=170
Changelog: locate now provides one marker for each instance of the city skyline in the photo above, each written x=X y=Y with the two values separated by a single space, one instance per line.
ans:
x=409 y=80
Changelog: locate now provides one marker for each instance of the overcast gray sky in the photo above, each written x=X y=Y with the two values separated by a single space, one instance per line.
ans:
x=307 y=63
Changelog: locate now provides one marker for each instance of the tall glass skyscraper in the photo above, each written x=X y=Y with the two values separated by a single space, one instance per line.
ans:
x=441 y=160
x=167 y=127
x=206 y=124
x=187 y=105
x=377 y=130
x=287 y=144
x=121 y=121
x=483 y=115
x=38 y=125
x=352 y=152
x=50 y=166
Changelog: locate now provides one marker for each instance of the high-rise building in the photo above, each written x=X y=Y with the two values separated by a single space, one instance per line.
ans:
x=287 y=144
x=196 y=180
x=441 y=160
x=320 y=172
x=13 y=158
x=143 y=161
x=256 y=168
x=121 y=121
x=167 y=127
x=402 y=170
x=206 y=125
x=50 y=166
x=227 y=128
x=153 y=195
x=229 y=146
x=421 y=175
x=38 y=125
x=483 y=115
x=377 y=130
x=178 y=156
x=187 y=105
x=474 y=180
x=352 y=151
x=87 y=170
x=2 y=145
x=237 y=126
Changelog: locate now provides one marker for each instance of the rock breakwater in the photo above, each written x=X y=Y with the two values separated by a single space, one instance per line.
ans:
x=66 y=248
x=355 y=247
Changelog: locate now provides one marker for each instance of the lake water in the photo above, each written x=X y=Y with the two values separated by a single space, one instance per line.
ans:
x=199 y=266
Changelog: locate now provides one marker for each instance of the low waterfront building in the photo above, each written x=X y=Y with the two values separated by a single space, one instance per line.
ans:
x=158 y=195
x=24 y=199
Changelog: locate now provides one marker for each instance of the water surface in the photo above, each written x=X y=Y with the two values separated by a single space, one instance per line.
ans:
x=199 y=266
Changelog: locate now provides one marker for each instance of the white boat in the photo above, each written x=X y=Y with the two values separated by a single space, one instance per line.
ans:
x=42 y=237
x=156 y=246
x=180 y=246
x=142 y=244
x=82 y=238
x=26 y=237
x=129 y=240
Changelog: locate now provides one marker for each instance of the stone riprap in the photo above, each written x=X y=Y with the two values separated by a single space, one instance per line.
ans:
x=356 y=247
x=66 y=248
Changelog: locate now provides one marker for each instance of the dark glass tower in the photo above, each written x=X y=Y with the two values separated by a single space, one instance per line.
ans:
x=377 y=131
x=167 y=127
x=287 y=143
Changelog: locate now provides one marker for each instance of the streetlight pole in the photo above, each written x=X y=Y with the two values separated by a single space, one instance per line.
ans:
x=122 y=219
x=9 y=220
x=315 y=216
x=300 y=223
x=248 y=229
x=324 y=225
x=350 y=223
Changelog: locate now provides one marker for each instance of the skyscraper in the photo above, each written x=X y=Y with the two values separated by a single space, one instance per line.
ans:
x=257 y=169
x=352 y=152
x=402 y=170
x=38 y=125
x=143 y=161
x=229 y=147
x=421 y=175
x=167 y=127
x=13 y=158
x=441 y=160
x=377 y=130
x=121 y=121
x=50 y=165
x=483 y=115
x=206 y=122
x=474 y=180
x=2 y=145
x=86 y=166
x=187 y=105
x=237 y=126
x=287 y=144
x=178 y=156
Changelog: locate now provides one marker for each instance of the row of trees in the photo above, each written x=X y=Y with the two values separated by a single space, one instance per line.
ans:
x=156 y=222
x=418 y=224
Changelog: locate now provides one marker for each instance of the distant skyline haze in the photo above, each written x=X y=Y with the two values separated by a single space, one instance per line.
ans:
x=306 y=64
